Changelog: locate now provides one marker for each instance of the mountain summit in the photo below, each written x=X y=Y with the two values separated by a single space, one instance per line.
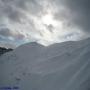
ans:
x=64 y=66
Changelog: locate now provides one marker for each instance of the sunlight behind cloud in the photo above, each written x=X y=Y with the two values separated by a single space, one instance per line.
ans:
x=42 y=21
x=48 y=19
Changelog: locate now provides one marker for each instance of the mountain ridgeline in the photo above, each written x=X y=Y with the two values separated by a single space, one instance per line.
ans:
x=4 y=50
x=61 y=66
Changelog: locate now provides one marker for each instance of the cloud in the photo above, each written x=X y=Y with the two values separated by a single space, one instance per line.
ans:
x=44 y=21
x=13 y=9
x=7 y=45
x=5 y=32
x=76 y=12
x=9 y=38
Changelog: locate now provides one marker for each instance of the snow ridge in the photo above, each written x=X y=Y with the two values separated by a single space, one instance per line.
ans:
x=64 y=66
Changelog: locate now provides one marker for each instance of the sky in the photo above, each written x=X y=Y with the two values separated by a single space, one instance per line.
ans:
x=43 y=21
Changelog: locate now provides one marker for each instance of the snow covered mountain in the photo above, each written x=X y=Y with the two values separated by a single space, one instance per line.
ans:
x=64 y=66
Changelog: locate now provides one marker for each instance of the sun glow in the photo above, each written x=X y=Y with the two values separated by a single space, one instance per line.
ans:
x=48 y=19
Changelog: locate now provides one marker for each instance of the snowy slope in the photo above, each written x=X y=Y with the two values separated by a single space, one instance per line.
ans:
x=64 y=66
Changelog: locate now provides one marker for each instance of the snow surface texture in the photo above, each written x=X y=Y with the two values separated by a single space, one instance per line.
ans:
x=64 y=66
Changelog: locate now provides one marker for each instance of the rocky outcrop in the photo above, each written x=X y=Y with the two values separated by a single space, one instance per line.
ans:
x=4 y=50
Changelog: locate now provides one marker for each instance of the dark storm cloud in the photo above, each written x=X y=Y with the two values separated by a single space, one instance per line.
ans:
x=79 y=12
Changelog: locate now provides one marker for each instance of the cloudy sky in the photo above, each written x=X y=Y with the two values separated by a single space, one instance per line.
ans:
x=43 y=21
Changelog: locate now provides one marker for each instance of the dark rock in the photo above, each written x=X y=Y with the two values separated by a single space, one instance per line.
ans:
x=4 y=50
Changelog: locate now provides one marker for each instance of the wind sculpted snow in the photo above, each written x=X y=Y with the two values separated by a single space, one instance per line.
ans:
x=64 y=66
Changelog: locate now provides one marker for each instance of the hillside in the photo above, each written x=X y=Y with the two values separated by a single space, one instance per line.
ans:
x=62 y=66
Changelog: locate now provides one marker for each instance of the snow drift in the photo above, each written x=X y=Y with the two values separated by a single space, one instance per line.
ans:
x=64 y=66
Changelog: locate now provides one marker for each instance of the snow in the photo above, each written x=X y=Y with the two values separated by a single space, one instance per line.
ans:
x=64 y=66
